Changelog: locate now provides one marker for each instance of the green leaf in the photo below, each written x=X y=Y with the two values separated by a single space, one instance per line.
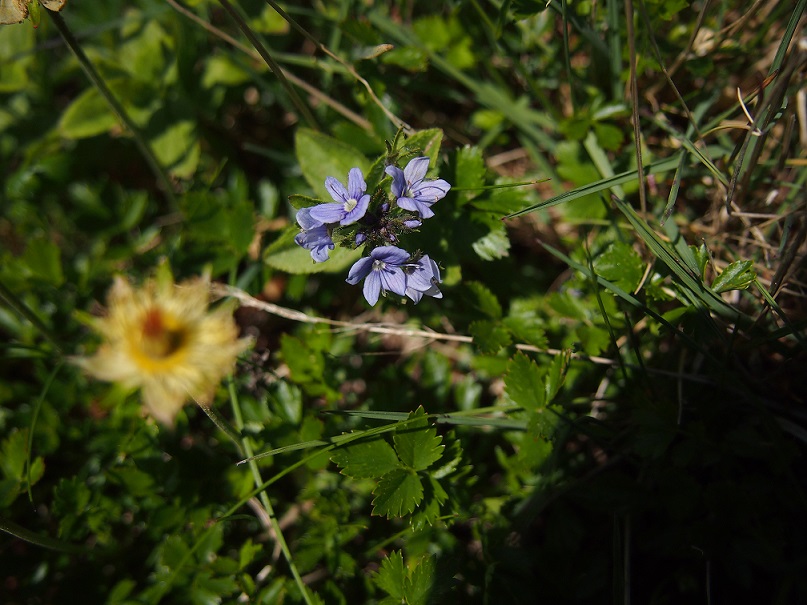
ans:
x=425 y=142
x=486 y=300
x=177 y=148
x=621 y=265
x=417 y=444
x=222 y=70
x=434 y=496
x=419 y=584
x=44 y=259
x=87 y=116
x=469 y=173
x=303 y=201
x=321 y=156
x=366 y=459
x=392 y=575
x=737 y=276
x=305 y=364
x=527 y=329
x=489 y=336
x=407 y=57
x=524 y=382
x=14 y=453
x=495 y=244
x=284 y=254
x=398 y=493
x=701 y=255
x=543 y=422
x=16 y=58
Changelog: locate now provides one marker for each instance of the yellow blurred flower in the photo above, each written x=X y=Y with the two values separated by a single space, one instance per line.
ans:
x=163 y=339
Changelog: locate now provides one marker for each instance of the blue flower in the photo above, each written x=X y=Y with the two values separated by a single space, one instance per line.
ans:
x=314 y=237
x=382 y=270
x=350 y=204
x=422 y=278
x=412 y=191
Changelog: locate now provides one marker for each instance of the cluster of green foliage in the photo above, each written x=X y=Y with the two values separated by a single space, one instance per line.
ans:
x=606 y=405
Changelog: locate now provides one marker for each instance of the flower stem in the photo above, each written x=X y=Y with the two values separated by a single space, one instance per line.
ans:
x=117 y=108
x=246 y=447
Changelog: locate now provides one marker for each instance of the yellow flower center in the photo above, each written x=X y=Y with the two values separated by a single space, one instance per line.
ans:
x=351 y=204
x=161 y=341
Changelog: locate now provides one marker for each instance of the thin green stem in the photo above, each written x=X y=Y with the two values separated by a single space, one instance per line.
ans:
x=117 y=108
x=246 y=447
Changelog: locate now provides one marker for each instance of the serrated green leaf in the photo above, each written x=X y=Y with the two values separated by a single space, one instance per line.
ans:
x=527 y=329
x=737 y=276
x=284 y=254
x=495 y=244
x=543 y=422
x=434 y=497
x=321 y=156
x=621 y=265
x=417 y=444
x=398 y=493
x=366 y=459
x=420 y=582
x=486 y=300
x=392 y=575
x=489 y=336
x=524 y=382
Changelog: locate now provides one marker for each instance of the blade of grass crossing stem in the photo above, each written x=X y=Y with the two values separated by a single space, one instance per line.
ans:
x=694 y=150
x=618 y=179
x=601 y=160
x=663 y=252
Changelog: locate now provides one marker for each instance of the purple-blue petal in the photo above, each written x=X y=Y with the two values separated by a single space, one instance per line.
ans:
x=336 y=189
x=359 y=270
x=390 y=255
x=398 y=180
x=393 y=279
x=305 y=220
x=372 y=288
x=328 y=213
x=416 y=169
x=355 y=184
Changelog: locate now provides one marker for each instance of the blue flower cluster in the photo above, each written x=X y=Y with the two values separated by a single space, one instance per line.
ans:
x=378 y=223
